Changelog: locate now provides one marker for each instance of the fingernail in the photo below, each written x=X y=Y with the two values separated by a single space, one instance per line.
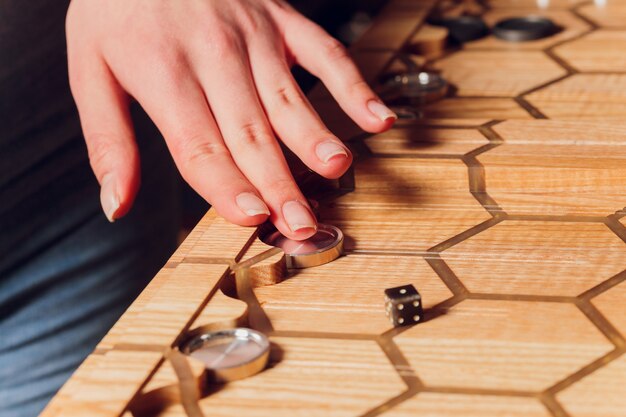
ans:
x=108 y=197
x=297 y=216
x=327 y=150
x=251 y=204
x=381 y=111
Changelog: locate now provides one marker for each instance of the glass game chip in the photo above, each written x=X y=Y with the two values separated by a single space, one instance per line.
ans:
x=230 y=354
x=324 y=246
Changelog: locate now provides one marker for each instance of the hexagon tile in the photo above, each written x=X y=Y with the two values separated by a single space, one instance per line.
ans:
x=612 y=304
x=602 y=50
x=429 y=404
x=583 y=96
x=305 y=301
x=342 y=377
x=601 y=394
x=404 y=205
x=512 y=345
x=613 y=14
x=498 y=73
x=558 y=168
x=537 y=258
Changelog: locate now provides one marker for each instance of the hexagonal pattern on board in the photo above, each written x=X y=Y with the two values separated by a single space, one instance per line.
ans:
x=499 y=340
x=498 y=73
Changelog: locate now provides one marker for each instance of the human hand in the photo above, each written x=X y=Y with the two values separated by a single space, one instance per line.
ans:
x=214 y=76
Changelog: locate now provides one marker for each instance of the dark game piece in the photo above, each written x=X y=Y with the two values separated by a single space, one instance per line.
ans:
x=519 y=29
x=463 y=28
x=403 y=305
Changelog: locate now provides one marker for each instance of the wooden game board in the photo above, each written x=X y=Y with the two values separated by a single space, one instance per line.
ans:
x=503 y=206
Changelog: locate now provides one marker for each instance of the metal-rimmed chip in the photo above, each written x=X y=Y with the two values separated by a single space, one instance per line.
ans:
x=324 y=246
x=229 y=354
x=528 y=28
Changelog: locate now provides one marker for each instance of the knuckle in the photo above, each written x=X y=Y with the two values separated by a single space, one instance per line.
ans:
x=253 y=134
x=251 y=19
x=284 y=187
x=225 y=41
x=194 y=151
x=335 y=50
x=170 y=62
x=288 y=96
x=358 y=86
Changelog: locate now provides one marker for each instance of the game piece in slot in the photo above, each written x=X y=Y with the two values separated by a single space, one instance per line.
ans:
x=463 y=29
x=324 y=246
x=520 y=29
x=229 y=354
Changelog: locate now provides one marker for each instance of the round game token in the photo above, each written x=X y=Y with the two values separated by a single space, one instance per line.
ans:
x=229 y=354
x=424 y=87
x=324 y=246
x=520 y=29
x=463 y=28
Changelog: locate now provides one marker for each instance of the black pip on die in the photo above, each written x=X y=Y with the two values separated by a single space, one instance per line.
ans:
x=403 y=305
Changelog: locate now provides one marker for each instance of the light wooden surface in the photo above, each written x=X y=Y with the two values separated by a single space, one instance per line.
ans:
x=429 y=404
x=498 y=73
x=424 y=141
x=501 y=352
x=587 y=96
x=612 y=15
x=601 y=50
x=504 y=205
x=538 y=257
x=462 y=107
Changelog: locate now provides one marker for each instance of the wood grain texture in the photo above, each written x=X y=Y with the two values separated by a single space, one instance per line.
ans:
x=193 y=237
x=558 y=168
x=415 y=141
x=429 y=404
x=497 y=73
x=405 y=205
x=116 y=334
x=164 y=390
x=539 y=258
x=329 y=298
x=599 y=97
x=467 y=122
x=309 y=377
x=612 y=305
x=478 y=107
x=493 y=345
x=161 y=320
x=228 y=249
x=222 y=312
x=601 y=394
x=103 y=385
x=612 y=15
x=602 y=50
